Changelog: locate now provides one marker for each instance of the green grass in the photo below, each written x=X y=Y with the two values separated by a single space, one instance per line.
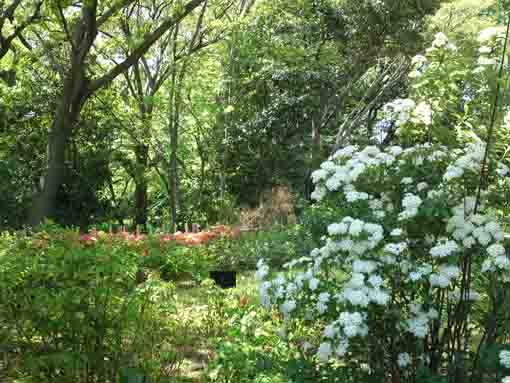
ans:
x=191 y=295
x=199 y=329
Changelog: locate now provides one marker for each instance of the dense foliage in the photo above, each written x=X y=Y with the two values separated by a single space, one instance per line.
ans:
x=418 y=254
x=350 y=155
x=179 y=111
x=74 y=312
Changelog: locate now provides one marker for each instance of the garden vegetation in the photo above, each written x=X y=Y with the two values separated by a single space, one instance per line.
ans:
x=239 y=191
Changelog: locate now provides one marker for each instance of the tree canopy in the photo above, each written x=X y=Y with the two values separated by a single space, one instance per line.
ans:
x=151 y=111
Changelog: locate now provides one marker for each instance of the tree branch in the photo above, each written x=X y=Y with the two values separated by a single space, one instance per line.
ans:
x=141 y=49
x=65 y=26
x=113 y=10
x=9 y=12
x=5 y=43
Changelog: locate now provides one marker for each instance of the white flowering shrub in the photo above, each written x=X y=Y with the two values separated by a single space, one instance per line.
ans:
x=409 y=255
x=416 y=252
x=451 y=92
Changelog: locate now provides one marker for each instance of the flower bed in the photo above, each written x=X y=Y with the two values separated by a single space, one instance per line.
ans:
x=185 y=239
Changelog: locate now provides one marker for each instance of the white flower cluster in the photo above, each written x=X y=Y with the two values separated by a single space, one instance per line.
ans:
x=396 y=232
x=385 y=196
x=444 y=248
x=418 y=323
x=420 y=272
x=395 y=248
x=356 y=236
x=326 y=349
x=322 y=303
x=419 y=64
x=487 y=39
x=333 y=176
x=488 y=34
x=497 y=260
x=486 y=61
x=469 y=229
x=470 y=161
x=423 y=113
x=410 y=203
x=348 y=325
x=357 y=293
x=444 y=275
x=504 y=358
x=399 y=110
x=441 y=41
x=419 y=60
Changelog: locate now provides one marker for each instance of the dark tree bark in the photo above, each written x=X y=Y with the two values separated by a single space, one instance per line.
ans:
x=142 y=161
x=68 y=111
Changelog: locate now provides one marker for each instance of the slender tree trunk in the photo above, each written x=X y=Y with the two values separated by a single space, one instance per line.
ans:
x=173 y=134
x=174 y=169
x=141 y=198
x=142 y=162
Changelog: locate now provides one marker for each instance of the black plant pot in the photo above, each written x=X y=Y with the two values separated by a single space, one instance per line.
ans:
x=133 y=375
x=224 y=279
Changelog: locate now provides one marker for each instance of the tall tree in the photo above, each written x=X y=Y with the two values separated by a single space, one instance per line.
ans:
x=80 y=33
x=209 y=29
x=300 y=68
x=145 y=79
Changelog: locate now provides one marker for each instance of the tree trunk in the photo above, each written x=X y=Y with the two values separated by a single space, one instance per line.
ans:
x=44 y=202
x=174 y=139
x=66 y=115
x=175 y=107
x=142 y=155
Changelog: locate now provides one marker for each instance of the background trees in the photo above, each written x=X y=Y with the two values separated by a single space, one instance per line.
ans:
x=151 y=111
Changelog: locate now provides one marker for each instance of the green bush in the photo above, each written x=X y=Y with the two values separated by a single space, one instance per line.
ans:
x=73 y=312
x=249 y=351
x=174 y=261
x=277 y=246
x=316 y=218
x=252 y=352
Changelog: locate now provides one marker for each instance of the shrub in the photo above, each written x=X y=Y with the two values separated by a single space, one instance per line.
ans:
x=73 y=312
x=174 y=261
x=249 y=351
x=278 y=245
x=411 y=281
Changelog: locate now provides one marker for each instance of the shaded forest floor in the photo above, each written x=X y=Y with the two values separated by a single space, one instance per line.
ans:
x=203 y=321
